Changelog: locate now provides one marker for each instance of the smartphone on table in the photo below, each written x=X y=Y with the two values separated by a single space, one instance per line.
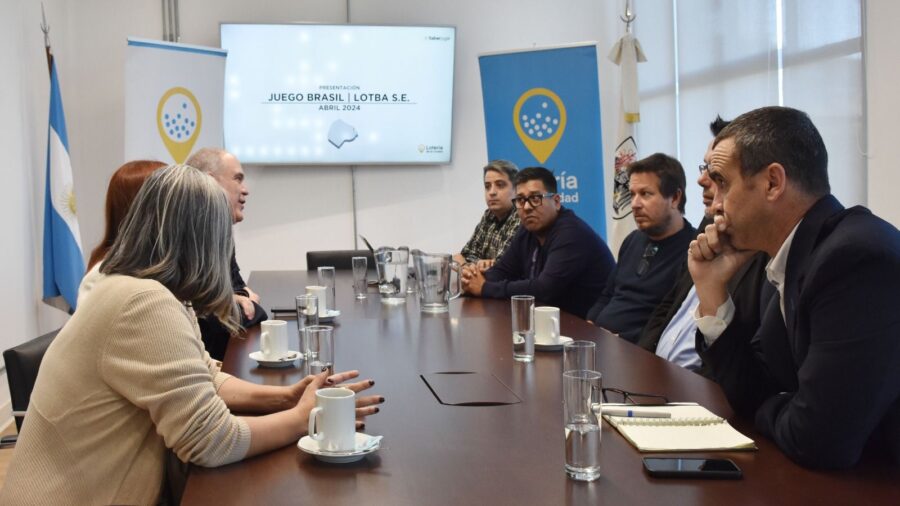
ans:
x=678 y=467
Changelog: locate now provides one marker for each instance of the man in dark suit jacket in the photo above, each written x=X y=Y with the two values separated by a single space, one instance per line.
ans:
x=821 y=375
x=672 y=321
x=748 y=289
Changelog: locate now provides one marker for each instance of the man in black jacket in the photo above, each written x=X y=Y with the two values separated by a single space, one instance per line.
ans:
x=821 y=375
x=555 y=256
x=650 y=256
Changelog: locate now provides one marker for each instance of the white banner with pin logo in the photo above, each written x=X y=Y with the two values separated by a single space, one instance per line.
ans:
x=173 y=99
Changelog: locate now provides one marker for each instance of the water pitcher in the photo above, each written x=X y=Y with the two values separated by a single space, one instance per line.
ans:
x=433 y=273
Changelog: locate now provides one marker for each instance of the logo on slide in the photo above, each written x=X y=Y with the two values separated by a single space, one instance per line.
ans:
x=178 y=118
x=540 y=119
x=341 y=132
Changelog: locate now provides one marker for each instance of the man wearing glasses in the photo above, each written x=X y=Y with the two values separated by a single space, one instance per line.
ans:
x=555 y=256
x=821 y=375
x=651 y=255
x=671 y=329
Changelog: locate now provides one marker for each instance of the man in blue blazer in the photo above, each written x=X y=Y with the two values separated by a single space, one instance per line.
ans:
x=821 y=375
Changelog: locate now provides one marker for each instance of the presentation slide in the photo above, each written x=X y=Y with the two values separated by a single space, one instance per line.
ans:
x=338 y=94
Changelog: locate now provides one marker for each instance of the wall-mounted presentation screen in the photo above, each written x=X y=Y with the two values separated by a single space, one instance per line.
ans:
x=338 y=94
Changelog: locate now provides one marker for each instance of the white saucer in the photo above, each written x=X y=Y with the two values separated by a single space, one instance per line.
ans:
x=285 y=361
x=365 y=444
x=552 y=346
x=332 y=314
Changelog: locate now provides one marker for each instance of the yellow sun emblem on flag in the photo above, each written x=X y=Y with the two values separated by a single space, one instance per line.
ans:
x=65 y=201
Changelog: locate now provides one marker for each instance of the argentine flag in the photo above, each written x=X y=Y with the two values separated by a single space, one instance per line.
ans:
x=63 y=258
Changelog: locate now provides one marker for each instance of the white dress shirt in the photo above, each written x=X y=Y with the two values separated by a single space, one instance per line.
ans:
x=712 y=326
x=677 y=344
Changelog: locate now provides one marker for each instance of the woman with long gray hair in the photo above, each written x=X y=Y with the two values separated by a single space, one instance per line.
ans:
x=128 y=378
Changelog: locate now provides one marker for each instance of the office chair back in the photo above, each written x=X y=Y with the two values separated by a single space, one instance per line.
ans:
x=22 y=364
x=339 y=259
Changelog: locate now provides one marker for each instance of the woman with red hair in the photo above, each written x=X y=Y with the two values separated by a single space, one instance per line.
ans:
x=123 y=186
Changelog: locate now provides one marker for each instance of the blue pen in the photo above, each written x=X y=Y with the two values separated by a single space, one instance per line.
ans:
x=635 y=413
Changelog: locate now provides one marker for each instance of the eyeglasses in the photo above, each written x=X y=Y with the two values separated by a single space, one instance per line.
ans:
x=535 y=200
x=649 y=252
x=624 y=397
x=704 y=167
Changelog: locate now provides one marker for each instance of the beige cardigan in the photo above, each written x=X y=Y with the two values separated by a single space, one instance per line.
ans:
x=126 y=378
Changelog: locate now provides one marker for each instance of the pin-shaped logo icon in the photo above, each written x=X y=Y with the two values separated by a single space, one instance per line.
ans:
x=178 y=118
x=540 y=119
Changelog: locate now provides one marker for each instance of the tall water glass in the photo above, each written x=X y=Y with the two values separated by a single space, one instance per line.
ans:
x=580 y=356
x=307 y=315
x=326 y=279
x=581 y=390
x=410 y=270
x=380 y=256
x=523 y=327
x=360 y=266
x=320 y=356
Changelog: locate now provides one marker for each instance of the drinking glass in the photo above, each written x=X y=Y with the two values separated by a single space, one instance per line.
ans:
x=320 y=355
x=326 y=279
x=360 y=265
x=523 y=327
x=410 y=270
x=581 y=390
x=580 y=356
x=307 y=315
x=380 y=255
x=392 y=275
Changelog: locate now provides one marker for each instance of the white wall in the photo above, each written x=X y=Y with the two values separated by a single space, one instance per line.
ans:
x=24 y=88
x=290 y=209
x=294 y=209
x=883 y=104
x=448 y=201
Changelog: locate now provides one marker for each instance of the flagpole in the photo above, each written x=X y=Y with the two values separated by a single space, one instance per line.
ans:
x=628 y=17
x=46 y=29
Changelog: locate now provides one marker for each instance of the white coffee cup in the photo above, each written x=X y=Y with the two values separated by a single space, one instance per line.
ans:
x=320 y=292
x=273 y=340
x=546 y=325
x=333 y=421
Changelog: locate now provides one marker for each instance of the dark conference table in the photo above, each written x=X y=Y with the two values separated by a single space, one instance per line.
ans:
x=436 y=454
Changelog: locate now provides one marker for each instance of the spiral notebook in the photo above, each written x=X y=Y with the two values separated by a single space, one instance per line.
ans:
x=691 y=428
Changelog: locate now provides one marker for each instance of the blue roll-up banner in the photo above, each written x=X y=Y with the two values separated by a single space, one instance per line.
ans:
x=542 y=107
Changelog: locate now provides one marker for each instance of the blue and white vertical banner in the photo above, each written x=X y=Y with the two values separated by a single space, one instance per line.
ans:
x=542 y=107
x=174 y=94
x=63 y=257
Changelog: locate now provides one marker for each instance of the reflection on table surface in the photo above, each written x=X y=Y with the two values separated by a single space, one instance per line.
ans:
x=506 y=454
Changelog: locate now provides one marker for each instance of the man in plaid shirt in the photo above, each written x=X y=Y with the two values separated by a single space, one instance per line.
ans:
x=499 y=222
